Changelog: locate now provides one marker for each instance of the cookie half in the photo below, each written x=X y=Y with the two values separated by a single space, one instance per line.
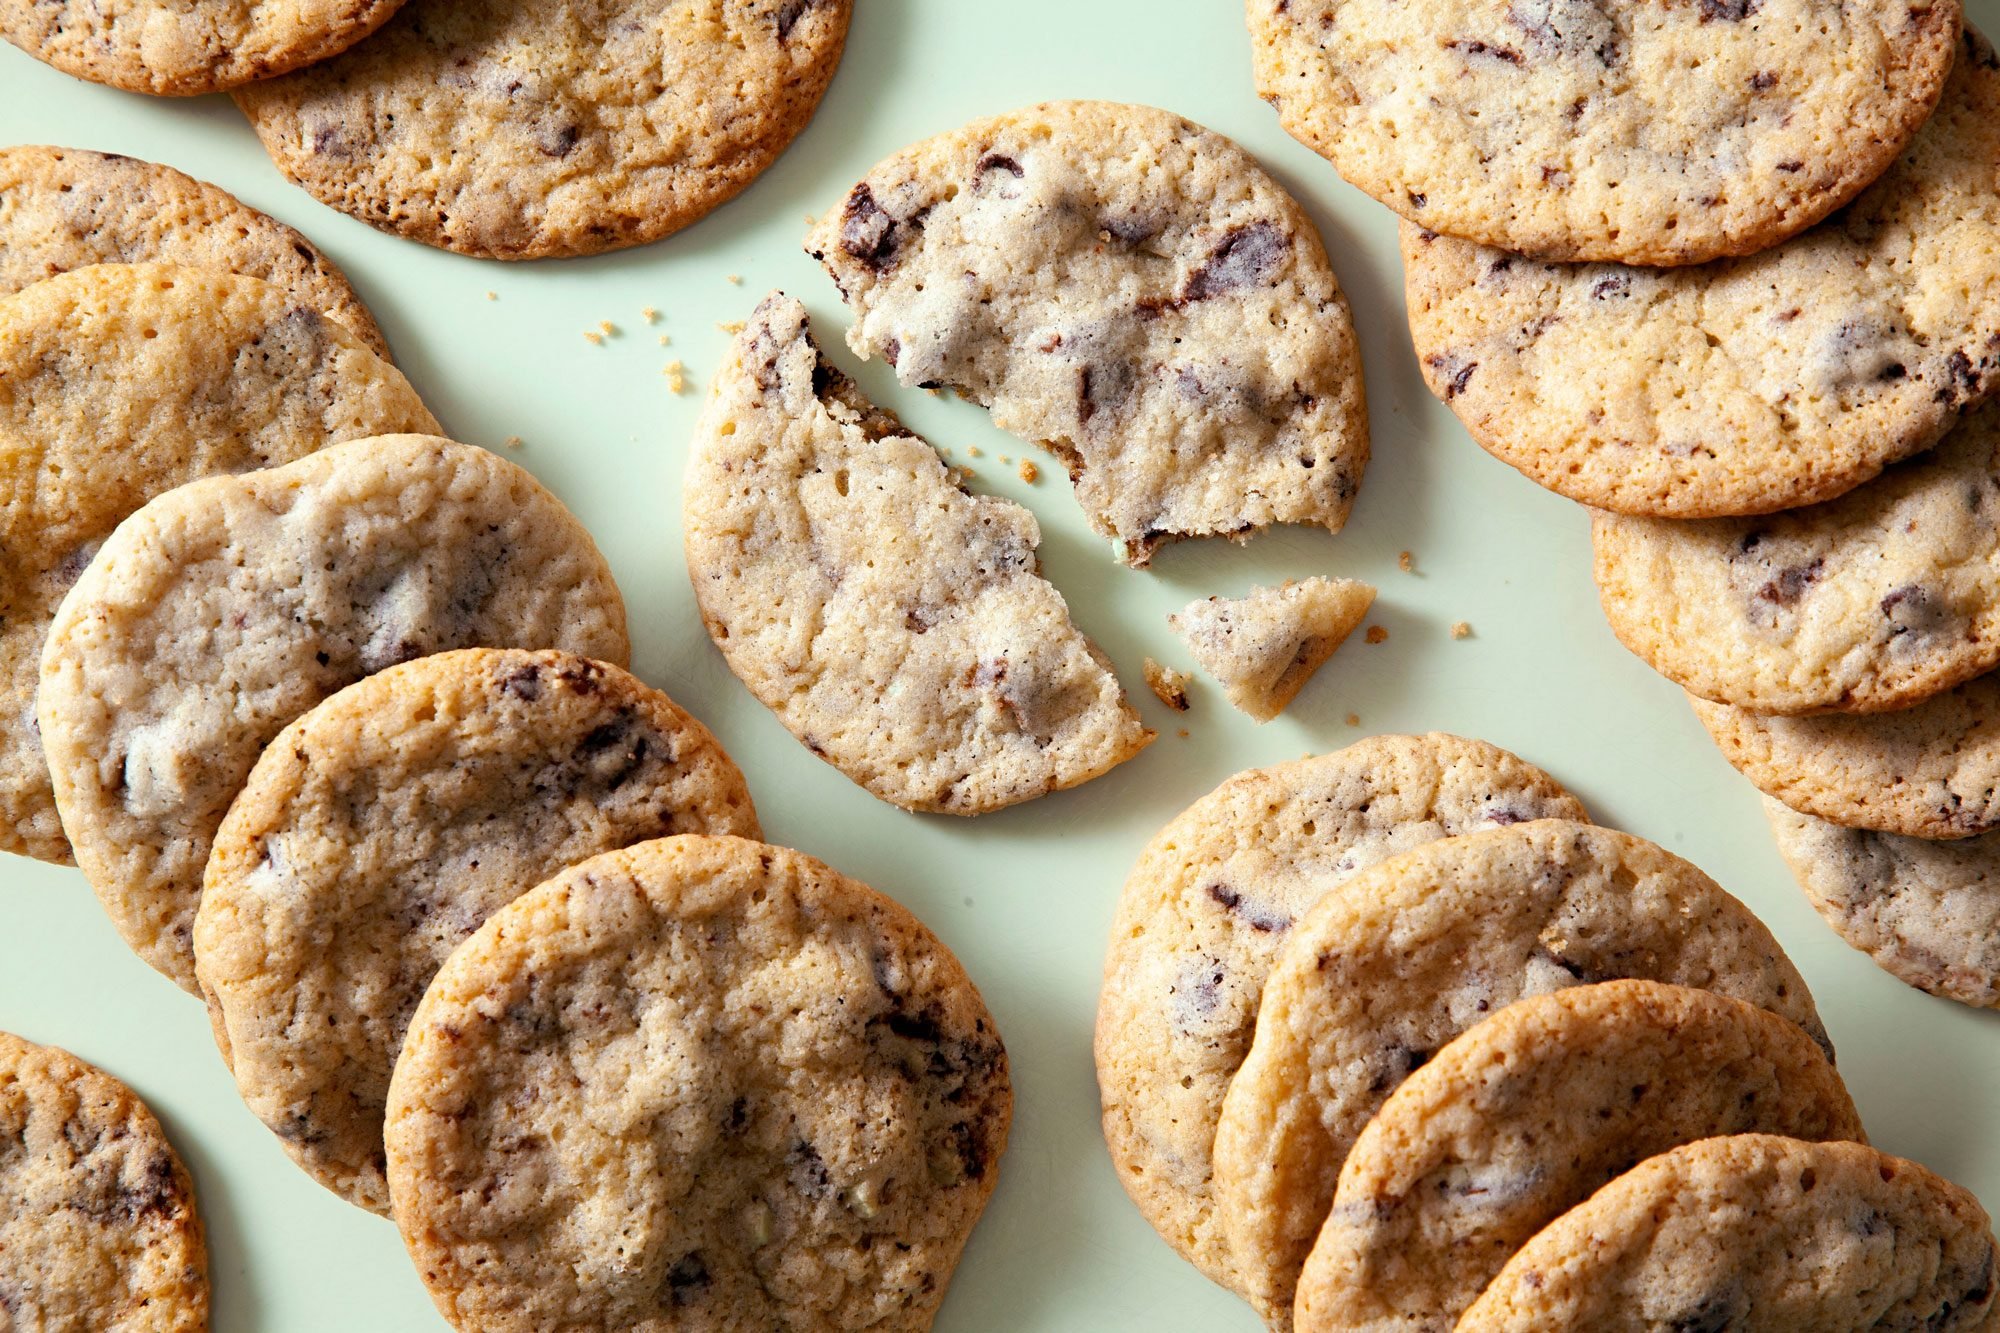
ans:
x=1265 y=645
x=699 y=1083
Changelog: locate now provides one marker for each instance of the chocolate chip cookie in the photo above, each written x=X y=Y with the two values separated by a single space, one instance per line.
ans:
x=1265 y=645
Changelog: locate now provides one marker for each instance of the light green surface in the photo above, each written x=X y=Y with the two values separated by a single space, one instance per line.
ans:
x=1026 y=896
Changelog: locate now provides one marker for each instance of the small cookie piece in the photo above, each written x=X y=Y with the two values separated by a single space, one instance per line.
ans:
x=380 y=829
x=1265 y=645
x=98 y=1229
x=1927 y=912
x=895 y=623
x=1408 y=954
x=699 y=1083
x=1745 y=386
x=1618 y=130
x=225 y=608
x=1755 y=1231
x=1168 y=684
x=1204 y=915
x=1128 y=289
x=1867 y=604
x=119 y=382
x=1529 y=1113
x=564 y=127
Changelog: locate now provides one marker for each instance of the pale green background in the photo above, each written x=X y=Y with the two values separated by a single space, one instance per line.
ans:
x=1025 y=897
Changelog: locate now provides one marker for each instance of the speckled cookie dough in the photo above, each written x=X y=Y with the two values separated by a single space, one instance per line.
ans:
x=379 y=830
x=1411 y=952
x=118 y=382
x=1128 y=289
x=895 y=623
x=227 y=607
x=1745 y=386
x=1623 y=130
x=1206 y=911
x=1755 y=1231
x=98 y=1230
x=1529 y=1113
x=1264 y=646
x=700 y=1083
x=521 y=129
x=1867 y=604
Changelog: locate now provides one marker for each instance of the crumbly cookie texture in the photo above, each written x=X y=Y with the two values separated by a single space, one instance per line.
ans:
x=1528 y=1114
x=380 y=829
x=1408 y=954
x=1755 y=1231
x=1206 y=911
x=1870 y=603
x=1128 y=289
x=98 y=1229
x=119 y=382
x=227 y=607
x=1606 y=129
x=521 y=129
x=1745 y=386
x=1168 y=684
x=1264 y=646
x=1927 y=912
x=699 y=1083
x=895 y=623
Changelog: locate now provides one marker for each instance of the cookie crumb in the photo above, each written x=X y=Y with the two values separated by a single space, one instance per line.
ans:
x=650 y=315
x=1182 y=733
x=1376 y=634
x=664 y=340
x=676 y=376
x=1461 y=630
x=1407 y=563
x=1006 y=461
x=1354 y=719
x=972 y=450
x=732 y=326
x=1169 y=685
x=736 y=279
x=511 y=442
x=492 y=296
x=1029 y=472
x=593 y=337
x=606 y=327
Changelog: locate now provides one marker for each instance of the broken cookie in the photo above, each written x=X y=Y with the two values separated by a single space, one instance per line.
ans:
x=1264 y=646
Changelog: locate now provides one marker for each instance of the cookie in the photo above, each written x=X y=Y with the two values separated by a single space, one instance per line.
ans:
x=98 y=1229
x=119 y=382
x=1744 y=386
x=66 y=208
x=227 y=607
x=1168 y=684
x=699 y=1083
x=1610 y=130
x=1927 y=912
x=1128 y=289
x=1265 y=645
x=380 y=829
x=1760 y=1232
x=1206 y=911
x=521 y=129
x=1870 y=603
x=1411 y=952
x=1529 y=1113
x=895 y=623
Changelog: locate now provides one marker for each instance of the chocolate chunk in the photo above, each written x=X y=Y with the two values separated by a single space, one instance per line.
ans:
x=789 y=14
x=560 y=142
x=1258 y=917
x=868 y=232
x=524 y=683
x=998 y=162
x=687 y=1278
x=1790 y=583
x=1247 y=255
x=1728 y=11
x=1763 y=80
x=1455 y=370
x=1718 y=1312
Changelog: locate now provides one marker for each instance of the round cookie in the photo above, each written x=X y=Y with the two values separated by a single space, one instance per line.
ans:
x=567 y=127
x=1927 y=912
x=1408 y=954
x=1131 y=291
x=225 y=608
x=1867 y=604
x=381 y=828
x=119 y=382
x=1623 y=130
x=1744 y=386
x=1755 y=1231
x=1206 y=911
x=699 y=1083
x=1529 y=1113
x=98 y=1229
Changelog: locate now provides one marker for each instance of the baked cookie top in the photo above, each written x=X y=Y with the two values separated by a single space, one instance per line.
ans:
x=225 y=608
x=1744 y=386
x=1128 y=289
x=895 y=623
x=381 y=828
x=1408 y=954
x=1870 y=603
x=1206 y=911
x=1755 y=1231
x=1528 y=1114
x=565 y=127
x=118 y=382
x=1265 y=645
x=1622 y=130
x=98 y=1229
x=698 y=1083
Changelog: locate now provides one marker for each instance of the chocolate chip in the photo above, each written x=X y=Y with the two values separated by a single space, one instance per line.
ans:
x=1454 y=370
x=1718 y=1312
x=687 y=1278
x=1963 y=378
x=1790 y=583
x=1763 y=80
x=998 y=162
x=1478 y=48
x=867 y=232
x=1255 y=915
x=524 y=683
x=560 y=142
x=1418 y=200
x=1728 y=11
x=789 y=15
x=1247 y=255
